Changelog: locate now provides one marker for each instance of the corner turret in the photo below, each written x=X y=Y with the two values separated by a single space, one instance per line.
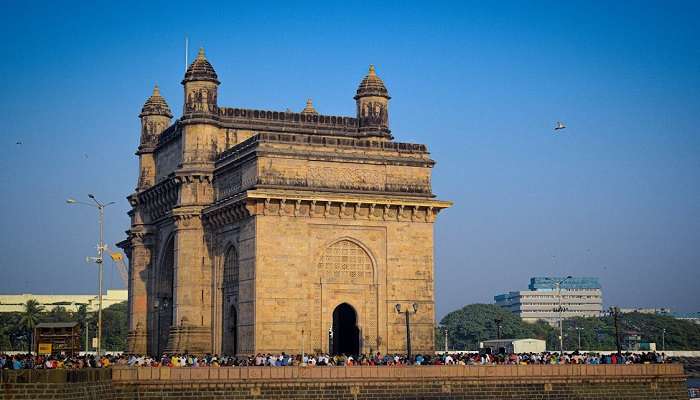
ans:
x=201 y=86
x=155 y=118
x=373 y=106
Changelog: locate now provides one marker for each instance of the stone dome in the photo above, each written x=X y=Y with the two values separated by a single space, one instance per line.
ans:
x=372 y=85
x=156 y=105
x=200 y=70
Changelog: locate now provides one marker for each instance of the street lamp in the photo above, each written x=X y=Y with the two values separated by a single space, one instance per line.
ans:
x=444 y=327
x=408 y=325
x=663 y=339
x=557 y=284
x=97 y=260
x=498 y=322
x=578 y=330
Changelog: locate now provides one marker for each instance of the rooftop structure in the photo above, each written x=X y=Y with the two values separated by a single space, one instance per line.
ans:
x=71 y=302
x=580 y=297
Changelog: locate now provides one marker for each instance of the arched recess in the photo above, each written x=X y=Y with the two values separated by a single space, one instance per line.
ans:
x=348 y=274
x=164 y=294
x=229 y=296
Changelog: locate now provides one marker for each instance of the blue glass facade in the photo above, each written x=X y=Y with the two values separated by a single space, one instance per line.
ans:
x=549 y=283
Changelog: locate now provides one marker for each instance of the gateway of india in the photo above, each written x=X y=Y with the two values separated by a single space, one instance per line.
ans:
x=270 y=231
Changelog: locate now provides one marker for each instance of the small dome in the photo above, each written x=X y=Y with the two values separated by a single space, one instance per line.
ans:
x=156 y=105
x=200 y=70
x=309 y=109
x=372 y=85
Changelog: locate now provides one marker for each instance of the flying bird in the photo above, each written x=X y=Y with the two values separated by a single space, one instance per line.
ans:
x=18 y=143
x=560 y=125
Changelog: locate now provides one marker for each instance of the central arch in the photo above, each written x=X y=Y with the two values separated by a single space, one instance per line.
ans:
x=346 y=334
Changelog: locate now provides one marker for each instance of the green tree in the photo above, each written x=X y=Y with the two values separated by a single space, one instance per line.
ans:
x=30 y=317
x=114 y=328
x=477 y=322
x=57 y=314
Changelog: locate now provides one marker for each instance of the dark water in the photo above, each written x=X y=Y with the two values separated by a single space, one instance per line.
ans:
x=694 y=383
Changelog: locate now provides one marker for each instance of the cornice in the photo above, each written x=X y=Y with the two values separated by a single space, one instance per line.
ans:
x=320 y=205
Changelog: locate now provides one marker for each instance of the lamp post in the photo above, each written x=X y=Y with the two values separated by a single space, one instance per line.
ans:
x=615 y=312
x=445 y=327
x=408 y=325
x=578 y=330
x=98 y=260
x=663 y=339
x=557 y=284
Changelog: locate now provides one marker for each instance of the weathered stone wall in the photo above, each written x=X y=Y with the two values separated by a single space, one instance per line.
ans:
x=92 y=384
x=298 y=289
x=550 y=382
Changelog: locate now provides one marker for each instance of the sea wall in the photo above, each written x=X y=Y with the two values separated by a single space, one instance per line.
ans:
x=665 y=381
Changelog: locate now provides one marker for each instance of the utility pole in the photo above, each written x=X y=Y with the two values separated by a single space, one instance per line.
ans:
x=99 y=260
x=100 y=264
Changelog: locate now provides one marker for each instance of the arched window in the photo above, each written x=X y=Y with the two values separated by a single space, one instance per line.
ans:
x=231 y=272
x=229 y=345
x=346 y=262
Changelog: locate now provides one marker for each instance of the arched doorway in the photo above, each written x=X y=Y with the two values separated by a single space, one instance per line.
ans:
x=346 y=334
x=165 y=296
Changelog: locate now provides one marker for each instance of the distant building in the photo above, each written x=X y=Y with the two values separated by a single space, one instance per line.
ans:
x=71 y=302
x=691 y=316
x=655 y=311
x=514 y=345
x=580 y=297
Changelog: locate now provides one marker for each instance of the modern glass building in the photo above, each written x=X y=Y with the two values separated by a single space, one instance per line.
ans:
x=578 y=296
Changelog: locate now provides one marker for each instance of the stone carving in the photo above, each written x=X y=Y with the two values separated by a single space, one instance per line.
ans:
x=346 y=262
x=345 y=178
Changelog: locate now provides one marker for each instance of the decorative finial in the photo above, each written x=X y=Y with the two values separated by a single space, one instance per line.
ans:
x=156 y=90
x=309 y=109
x=371 y=70
x=200 y=55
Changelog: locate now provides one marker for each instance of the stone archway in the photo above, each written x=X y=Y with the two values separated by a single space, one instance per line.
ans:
x=346 y=334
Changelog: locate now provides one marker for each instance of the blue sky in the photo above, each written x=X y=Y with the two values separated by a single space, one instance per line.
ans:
x=615 y=195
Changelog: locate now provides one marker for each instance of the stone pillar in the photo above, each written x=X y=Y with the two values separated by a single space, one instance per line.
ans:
x=191 y=329
x=139 y=270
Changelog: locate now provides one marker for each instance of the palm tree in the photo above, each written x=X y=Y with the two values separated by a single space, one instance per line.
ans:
x=30 y=317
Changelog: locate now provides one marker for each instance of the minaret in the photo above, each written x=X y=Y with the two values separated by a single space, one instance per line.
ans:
x=155 y=118
x=201 y=85
x=373 y=107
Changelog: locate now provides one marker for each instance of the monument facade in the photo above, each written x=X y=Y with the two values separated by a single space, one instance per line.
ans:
x=268 y=231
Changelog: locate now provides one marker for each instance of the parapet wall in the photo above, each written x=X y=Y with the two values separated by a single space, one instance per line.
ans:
x=665 y=382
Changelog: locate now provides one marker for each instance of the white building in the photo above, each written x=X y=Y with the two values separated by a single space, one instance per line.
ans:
x=71 y=302
x=580 y=297
x=514 y=345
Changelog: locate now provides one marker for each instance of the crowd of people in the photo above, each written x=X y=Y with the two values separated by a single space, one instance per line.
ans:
x=30 y=361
